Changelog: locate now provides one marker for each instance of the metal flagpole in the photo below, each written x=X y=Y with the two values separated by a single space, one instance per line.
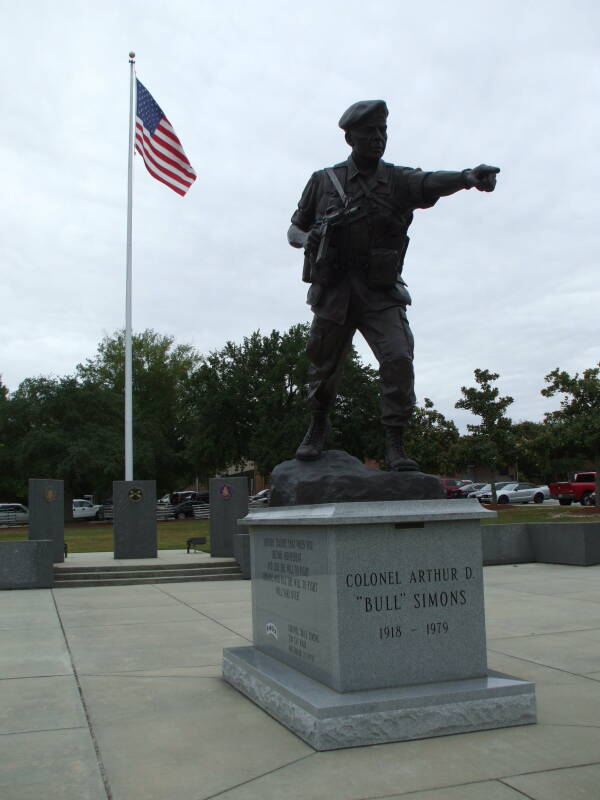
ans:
x=128 y=357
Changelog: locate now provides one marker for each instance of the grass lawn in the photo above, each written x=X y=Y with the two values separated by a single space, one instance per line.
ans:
x=97 y=538
x=527 y=513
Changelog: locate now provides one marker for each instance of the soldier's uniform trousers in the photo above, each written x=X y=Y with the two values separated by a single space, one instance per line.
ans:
x=388 y=334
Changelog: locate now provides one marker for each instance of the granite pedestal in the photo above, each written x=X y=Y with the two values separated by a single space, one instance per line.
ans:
x=26 y=565
x=47 y=514
x=228 y=503
x=368 y=624
x=134 y=519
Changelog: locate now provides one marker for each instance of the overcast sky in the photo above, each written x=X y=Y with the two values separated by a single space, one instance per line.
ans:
x=254 y=89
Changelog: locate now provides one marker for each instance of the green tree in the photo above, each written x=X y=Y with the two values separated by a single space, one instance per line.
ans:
x=60 y=429
x=491 y=439
x=72 y=428
x=575 y=427
x=9 y=485
x=249 y=401
x=432 y=440
x=355 y=421
x=161 y=371
x=533 y=453
x=244 y=400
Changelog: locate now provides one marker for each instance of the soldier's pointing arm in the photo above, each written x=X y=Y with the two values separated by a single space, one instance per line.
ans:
x=442 y=184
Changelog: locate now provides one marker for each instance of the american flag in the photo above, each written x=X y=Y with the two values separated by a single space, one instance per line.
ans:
x=158 y=145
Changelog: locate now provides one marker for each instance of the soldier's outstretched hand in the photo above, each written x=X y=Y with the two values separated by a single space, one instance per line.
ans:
x=482 y=177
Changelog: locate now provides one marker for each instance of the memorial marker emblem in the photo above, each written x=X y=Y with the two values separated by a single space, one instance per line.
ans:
x=271 y=629
x=226 y=491
x=49 y=495
x=135 y=494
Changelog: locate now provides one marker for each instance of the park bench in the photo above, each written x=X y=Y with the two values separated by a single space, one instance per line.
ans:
x=195 y=542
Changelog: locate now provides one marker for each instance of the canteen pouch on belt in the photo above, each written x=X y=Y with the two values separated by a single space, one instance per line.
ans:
x=383 y=268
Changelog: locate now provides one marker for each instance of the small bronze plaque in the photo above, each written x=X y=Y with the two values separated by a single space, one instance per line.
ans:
x=135 y=494
x=49 y=495
x=226 y=491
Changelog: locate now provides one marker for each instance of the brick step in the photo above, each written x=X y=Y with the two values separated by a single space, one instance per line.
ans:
x=82 y=574
x=93 y=580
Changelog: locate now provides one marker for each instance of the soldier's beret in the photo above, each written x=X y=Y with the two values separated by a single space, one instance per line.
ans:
x=365 y=111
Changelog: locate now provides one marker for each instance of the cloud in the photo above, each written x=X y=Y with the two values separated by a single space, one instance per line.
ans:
x=254 y=90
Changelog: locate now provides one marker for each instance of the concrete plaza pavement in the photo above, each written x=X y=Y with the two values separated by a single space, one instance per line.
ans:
x=114 y=693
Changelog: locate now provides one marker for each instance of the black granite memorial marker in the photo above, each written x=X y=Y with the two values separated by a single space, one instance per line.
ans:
x=46 y=514
x=134 y=525
x=228 y=503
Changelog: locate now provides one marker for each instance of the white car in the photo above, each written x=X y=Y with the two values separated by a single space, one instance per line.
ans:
x=518 y=493
x=83 y=509
x=13 y=512
x=260 y=499
x=486 y=489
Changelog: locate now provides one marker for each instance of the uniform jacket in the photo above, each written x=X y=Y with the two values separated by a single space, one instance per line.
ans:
x=392 y=194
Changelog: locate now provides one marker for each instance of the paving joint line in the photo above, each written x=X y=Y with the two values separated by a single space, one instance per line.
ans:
x=207 y=616
x=413 y=792
x=135 y=674
x=99 y=761
x=550 y=769
x=258 y=777
x=35 y=677
x=540 y=664
x=124 y=624
x=42 y=730
x=566 y=725
x=545 y=633
x=514 y=789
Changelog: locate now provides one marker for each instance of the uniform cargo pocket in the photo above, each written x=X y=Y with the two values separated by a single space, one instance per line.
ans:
x=383 y=268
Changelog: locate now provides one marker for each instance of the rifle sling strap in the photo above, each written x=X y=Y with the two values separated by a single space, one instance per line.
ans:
x=338 y=186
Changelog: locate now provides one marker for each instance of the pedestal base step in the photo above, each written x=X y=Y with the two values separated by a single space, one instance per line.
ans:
x=329 y=720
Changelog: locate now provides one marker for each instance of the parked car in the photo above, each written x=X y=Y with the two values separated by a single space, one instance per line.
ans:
x=184 y=510
x=83 y=509
x=518 y=493
x=451 y=486
x=181 y=497
x=575 y=491
x=487 y=487
x=260 y=498
x=13 y=512
x=465 y=491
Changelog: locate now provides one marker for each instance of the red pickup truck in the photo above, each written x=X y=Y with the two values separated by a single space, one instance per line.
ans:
x=566 y=492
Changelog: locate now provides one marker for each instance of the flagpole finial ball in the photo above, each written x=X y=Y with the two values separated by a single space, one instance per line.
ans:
x=132 y=54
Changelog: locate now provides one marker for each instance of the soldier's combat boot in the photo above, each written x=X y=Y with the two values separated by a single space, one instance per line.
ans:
x=395 y=457
x=311 y=446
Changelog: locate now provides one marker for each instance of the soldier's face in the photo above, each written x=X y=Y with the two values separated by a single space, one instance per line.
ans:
x=368 y=141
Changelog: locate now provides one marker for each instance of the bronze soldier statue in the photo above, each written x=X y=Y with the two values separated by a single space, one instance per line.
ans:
x=352 y=220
